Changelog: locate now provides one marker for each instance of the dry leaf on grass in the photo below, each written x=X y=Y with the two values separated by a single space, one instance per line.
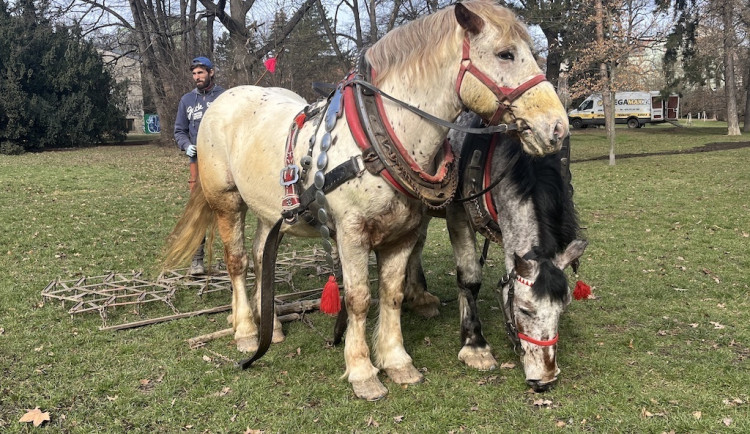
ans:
x=372 y=422
x=727 y=421
x=224 y=391
x=507 y=365
x=542 y=402
x=254 y=431
x=398 y=419
x=35 y=416
x=648 y=414
x=697 y=414
x=733 y=402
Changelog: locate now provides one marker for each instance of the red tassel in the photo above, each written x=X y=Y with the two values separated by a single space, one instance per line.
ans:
x=582 y=291
x=330 y=300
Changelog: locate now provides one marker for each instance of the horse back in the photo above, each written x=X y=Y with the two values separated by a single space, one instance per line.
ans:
x=241 y=145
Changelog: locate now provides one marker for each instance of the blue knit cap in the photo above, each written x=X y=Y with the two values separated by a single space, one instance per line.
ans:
x=202 y=61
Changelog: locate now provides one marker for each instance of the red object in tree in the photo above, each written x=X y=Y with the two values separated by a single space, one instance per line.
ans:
x=330 y=300
x=270 y=64
x=582 y=291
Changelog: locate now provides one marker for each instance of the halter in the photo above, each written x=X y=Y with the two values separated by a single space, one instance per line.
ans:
x=505 y=95
x=510 y=318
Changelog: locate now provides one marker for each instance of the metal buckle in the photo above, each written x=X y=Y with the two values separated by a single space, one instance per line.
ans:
x=360 y=163
x=292 y=170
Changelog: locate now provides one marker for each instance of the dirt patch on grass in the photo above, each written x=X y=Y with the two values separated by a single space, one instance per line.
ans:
x=708 y=147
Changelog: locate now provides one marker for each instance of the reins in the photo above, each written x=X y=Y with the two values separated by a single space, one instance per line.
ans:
x=501 y=128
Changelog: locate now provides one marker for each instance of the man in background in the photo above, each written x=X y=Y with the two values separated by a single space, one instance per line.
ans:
x=192 y=107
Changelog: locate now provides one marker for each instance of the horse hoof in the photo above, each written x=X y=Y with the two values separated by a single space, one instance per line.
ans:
x=404 y=375
x=426 y=305
x=371 y=389
x=278 y=336
x=478 y=358
x=247 y=345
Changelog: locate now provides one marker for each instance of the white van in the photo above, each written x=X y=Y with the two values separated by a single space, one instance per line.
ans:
x=633 y=108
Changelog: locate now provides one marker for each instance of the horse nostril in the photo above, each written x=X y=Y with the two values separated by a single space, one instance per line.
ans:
x=559 y=131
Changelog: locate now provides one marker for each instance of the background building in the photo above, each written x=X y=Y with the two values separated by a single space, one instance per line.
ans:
x=128 y=69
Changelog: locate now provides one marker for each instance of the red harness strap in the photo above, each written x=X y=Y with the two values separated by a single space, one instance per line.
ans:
x=547 y=343
x=488 y=201
x=290 y=173
x=527 y=338
x=448 y=151
x=358 y=132
x=505 y=95
x=360 y=137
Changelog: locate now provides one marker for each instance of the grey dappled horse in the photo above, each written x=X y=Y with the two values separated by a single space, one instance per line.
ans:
x=539 y=230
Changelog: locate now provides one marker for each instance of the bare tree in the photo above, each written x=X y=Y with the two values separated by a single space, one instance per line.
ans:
x=606 y=87
x=726 y=8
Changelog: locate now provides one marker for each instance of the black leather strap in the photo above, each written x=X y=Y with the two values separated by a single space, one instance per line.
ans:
x=345 y=171
x=265 y=331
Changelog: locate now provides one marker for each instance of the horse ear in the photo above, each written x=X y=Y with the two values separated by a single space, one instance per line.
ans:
x=522 y=266
x=572 y=252
x=467 y=19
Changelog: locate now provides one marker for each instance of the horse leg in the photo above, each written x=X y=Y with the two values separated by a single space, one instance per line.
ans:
x=360 y=371
x=230 y=217
x=390 y=354
x=416 y=297
x=259 y=242
x=475 y=351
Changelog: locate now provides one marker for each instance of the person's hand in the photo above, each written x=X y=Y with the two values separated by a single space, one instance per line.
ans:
x=191 y=151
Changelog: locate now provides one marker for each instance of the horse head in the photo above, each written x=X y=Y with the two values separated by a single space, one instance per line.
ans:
x=535 y=294
x=500 y=80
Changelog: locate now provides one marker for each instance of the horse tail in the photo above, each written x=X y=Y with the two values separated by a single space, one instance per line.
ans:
x=190 y=230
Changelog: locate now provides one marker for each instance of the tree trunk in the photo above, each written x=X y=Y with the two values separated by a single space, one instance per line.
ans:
x=554 y=57
x=730 y=86
x=607 y=94
x=746 y=124
x=154 y=47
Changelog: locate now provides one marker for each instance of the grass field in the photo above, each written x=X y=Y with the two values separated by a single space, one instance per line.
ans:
x=664 y=347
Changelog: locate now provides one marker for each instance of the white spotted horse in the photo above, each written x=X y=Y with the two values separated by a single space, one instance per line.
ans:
x=374 y=143
x=524 y=203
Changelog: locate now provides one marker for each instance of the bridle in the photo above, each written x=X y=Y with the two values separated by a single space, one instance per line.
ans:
x=505 y=95
x=510 y=317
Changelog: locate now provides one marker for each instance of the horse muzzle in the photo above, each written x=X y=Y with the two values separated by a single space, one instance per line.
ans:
x=540 y=386
x=545 y=140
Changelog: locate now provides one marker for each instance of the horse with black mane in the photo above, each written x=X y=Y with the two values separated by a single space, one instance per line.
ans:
x=524 y=203
x=374 y=143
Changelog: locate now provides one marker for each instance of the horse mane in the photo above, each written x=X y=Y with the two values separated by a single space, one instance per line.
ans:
x=539 y=179
x=419 y=46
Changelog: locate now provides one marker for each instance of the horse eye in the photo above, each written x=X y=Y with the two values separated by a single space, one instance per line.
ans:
x=525 y=311
x=506 y=55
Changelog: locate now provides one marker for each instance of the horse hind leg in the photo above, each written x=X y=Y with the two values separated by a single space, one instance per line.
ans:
x=475 y=351
x=230 y=217
x=416 y=297
x=390 y=353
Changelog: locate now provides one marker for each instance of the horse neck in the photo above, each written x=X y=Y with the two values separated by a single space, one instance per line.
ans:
x=516 y=212
x=421 y=138
x=518 y=222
